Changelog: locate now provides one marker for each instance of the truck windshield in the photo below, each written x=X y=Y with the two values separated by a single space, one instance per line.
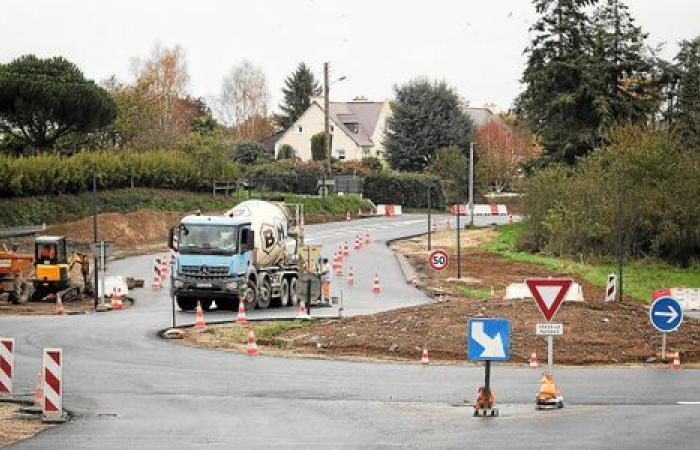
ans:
x=208 y=239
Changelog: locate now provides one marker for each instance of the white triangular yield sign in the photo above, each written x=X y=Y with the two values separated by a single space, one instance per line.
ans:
x=549 y=293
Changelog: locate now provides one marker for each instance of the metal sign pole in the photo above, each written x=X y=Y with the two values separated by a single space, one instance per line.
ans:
x=487 y=386
x=550 y=352
x=430 y=230
x=663 y=346
x=172 y=301
x=101 y=305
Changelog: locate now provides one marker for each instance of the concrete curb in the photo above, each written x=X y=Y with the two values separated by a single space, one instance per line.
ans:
x=161 y=333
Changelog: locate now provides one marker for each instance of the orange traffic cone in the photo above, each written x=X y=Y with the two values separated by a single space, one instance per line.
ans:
x=376 y=287
x=164 y=267
x=240 y=318
x=199 y=317
x=346 y=249
x=425 y=357
x=347 y=216
x=676 y=364
x=533 y=359
x=351 y=276
x=116 y=298
x=39 y=390
x=59 y=304
x=252 y=348
x=356 y=245
x=366 y=238
x=414 y=281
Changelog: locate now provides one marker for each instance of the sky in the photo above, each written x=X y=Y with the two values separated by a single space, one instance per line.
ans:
x=475 y=46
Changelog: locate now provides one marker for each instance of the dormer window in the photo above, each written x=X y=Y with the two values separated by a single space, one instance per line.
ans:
x=353 y=126
x=300 y=129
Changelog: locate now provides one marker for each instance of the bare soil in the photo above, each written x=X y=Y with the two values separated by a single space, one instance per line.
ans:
x=78 y=305
x=13 y=428
x=594 y=332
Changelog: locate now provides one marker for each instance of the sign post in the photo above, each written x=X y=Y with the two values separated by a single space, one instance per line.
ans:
x=103 y=249
x=488 y=339
x=666 y=315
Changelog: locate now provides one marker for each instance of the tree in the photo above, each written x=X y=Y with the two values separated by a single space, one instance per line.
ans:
x=297 y=91
x=585 y=75
x=452 y=165
x=685 y=109
x=426 y=116
x=558 y=101
x=286 y=151
x=42 y=100
x=248 y=152
x=502 y=148
x=244 y=95
x=318 y=148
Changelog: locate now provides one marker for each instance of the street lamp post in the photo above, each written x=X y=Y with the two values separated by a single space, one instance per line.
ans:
x=326 y=114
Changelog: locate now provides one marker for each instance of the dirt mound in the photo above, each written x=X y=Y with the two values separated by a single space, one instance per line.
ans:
x=125 y=229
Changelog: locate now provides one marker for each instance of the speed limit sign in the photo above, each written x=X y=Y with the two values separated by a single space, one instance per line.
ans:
x=438 y=260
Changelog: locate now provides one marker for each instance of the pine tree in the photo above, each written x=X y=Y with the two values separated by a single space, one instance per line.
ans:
x=297 y=90
x=558 y=102
x=627 y=91
x=685 y=112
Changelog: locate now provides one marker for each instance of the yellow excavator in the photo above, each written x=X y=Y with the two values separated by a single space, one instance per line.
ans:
x=52 y=267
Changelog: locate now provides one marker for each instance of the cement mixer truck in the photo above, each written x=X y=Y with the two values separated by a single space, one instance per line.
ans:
x=251 y=252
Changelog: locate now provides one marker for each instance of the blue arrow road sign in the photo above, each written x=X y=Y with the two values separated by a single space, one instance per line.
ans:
x=666 y=314
x=488 y=339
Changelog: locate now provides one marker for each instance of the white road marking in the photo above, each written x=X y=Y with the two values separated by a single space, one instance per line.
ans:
x=688 y=403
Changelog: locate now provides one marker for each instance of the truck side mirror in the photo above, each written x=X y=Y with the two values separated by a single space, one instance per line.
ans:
x=171 y=235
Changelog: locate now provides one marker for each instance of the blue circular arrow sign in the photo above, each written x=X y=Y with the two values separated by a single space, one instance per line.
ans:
x=666 y=314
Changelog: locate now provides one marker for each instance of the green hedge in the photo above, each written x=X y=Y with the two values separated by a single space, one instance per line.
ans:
x=52 y=209
x=48 y=174
x=286 y=175
x=407 y=189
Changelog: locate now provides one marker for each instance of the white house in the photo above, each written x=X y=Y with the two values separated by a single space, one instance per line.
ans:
x=357 y=129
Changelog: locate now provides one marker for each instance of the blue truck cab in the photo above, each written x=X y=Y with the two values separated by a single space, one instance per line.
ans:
x=214 y=261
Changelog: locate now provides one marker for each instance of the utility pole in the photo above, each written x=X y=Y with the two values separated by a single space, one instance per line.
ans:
x=94 y=236
x=459 y=225
x=326 y=117
x=430 y=225
x=471 y=184
x=620 y=242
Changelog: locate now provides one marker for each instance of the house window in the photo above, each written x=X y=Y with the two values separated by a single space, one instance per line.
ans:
x=332 y=128
x=341 y=154
x=300 y=129
x=353 y=126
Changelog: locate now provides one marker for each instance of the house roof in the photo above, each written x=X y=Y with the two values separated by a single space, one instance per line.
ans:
x=363 y=113
x=480 y=116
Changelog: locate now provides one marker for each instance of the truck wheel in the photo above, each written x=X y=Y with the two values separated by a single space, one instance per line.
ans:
x=186 y=303
x=206 y=304
x=250 y=295
x=284 y=292
x=264 y=293
x=293 y=294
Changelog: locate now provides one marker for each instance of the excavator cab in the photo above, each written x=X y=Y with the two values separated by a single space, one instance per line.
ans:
x=51 y=265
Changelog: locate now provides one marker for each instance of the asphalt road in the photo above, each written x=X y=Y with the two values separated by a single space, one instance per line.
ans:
x=131 y=389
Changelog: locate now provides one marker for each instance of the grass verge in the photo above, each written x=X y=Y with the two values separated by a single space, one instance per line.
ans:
x=473 y=292
x=264 y=331
x=641 y=277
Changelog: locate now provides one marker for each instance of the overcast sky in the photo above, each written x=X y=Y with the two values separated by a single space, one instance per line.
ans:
x=476 y=46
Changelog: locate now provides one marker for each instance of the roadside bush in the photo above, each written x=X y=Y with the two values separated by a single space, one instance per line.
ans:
x=286 y=175
x=406 y=189
x=48 y=174
x=248 y=152
x=372 y=164
x=286 y=151
x=575 y=210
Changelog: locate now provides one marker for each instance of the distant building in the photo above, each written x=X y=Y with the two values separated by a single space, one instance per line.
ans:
x=357 y=129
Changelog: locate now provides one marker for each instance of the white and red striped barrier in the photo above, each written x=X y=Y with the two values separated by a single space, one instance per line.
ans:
x=480 y=210
x=611 y=288
x=7 y=366
x=53 y=383
x=388 y=210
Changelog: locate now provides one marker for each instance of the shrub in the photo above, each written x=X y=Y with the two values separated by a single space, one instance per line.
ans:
x=248 y=152
x=286 y=175
x=46 y=174
x=575 y=210
x=318 y=148
x=372 y=164
x=406 y=189
x=286 y=151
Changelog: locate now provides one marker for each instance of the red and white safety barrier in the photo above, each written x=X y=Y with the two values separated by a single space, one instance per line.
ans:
x=611 y=288
x=480 y=210
x=388 y=210
x=7 y=368
x=53 y=383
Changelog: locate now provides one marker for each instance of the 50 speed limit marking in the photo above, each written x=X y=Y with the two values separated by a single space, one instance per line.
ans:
x=438 y=260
